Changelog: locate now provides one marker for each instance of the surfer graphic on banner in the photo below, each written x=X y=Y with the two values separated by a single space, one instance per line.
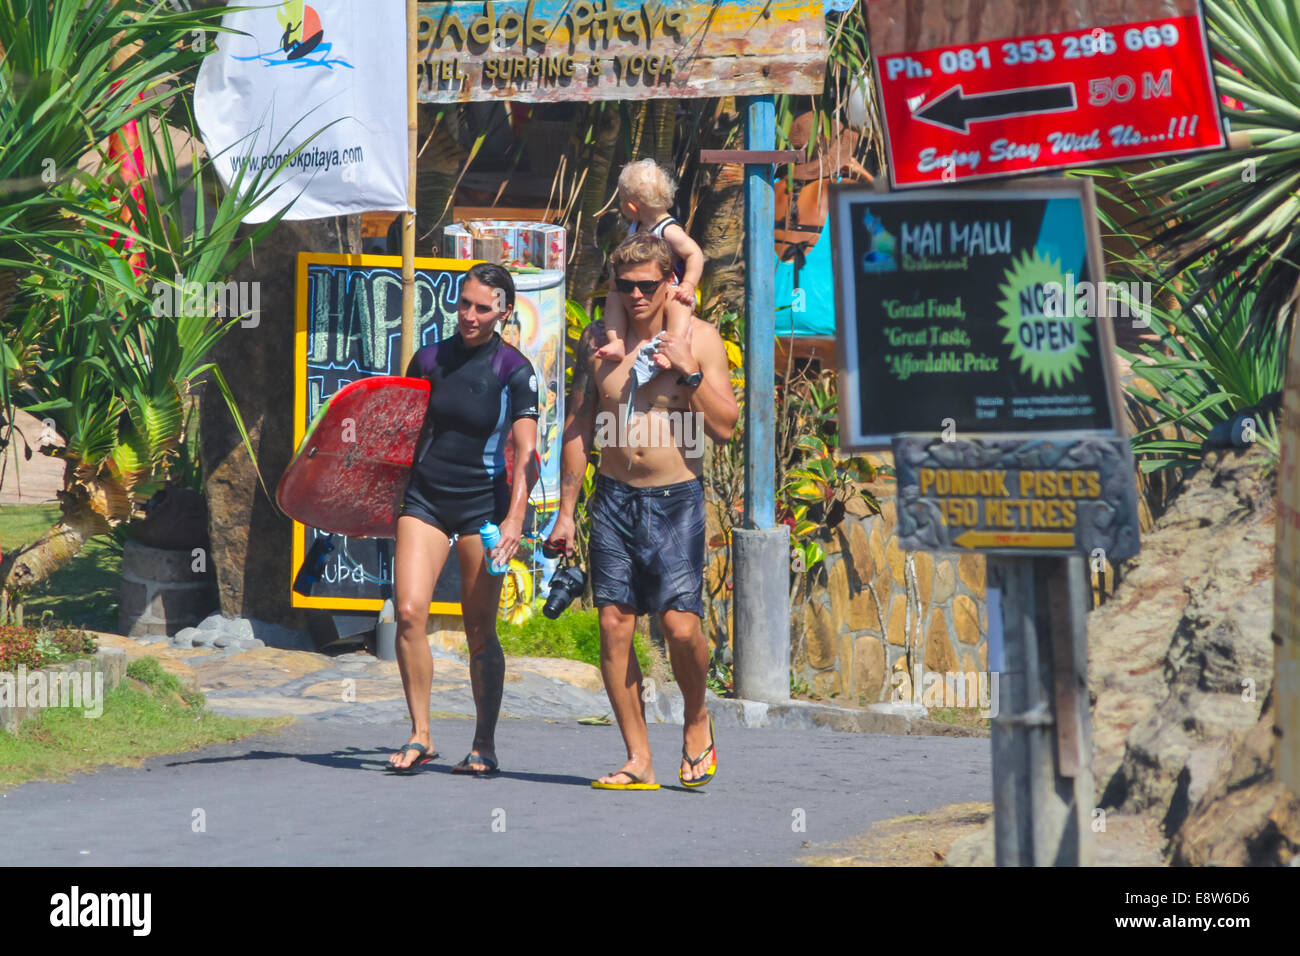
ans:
x=302 y=35
x=295 y=71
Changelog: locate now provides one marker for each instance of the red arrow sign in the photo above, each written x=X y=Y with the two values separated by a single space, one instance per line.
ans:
x=1012 y=106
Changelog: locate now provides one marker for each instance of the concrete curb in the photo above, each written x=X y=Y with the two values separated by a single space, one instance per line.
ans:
x=666 y=707
x=108 y=661
x=552 y=694
x=806 y=715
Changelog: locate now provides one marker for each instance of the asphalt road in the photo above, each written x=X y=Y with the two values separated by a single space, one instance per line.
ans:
x=317 y=794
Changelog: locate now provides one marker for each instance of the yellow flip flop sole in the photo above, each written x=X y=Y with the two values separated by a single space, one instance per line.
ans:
x=636 y=783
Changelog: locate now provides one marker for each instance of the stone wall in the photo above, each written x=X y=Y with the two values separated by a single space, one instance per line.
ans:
x=251 y=544
x=108 y=661
x=161 y=592
x=874 y=614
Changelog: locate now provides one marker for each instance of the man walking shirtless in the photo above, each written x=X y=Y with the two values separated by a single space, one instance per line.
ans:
x=647 y=535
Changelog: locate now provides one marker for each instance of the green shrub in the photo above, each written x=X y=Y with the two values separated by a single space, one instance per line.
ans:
x=1211 y=361
x=575 y=635
x=18 y=648
x=32 y=648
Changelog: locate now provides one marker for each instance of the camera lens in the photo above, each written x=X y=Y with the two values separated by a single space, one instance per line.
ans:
x=566 y=584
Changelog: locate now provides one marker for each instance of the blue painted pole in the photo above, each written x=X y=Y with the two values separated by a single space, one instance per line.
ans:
x=761 y=549
x=760 y=319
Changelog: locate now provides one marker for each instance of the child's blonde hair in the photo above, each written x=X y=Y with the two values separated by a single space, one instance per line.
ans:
x=646 y=183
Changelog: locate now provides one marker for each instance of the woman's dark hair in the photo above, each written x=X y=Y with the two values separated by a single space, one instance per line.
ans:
x=494 y=277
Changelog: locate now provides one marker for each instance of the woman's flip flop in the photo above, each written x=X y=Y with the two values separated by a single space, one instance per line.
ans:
x=464 y=766
x=423 y=758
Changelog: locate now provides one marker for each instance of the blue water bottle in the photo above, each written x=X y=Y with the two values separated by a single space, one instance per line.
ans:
x=491 y=536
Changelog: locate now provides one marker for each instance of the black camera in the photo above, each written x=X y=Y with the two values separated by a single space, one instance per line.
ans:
x=566 y=584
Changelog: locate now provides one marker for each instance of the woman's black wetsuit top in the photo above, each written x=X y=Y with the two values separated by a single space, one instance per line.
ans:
x=477 y=396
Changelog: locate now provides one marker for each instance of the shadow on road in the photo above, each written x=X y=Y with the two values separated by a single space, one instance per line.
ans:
x=376 y=761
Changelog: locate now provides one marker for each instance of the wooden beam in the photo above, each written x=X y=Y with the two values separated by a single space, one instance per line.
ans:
x=752 y=157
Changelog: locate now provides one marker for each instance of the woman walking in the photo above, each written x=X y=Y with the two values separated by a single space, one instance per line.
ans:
x=484 y=396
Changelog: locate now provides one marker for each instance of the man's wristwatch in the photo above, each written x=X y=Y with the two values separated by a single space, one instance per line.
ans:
x=693 y=380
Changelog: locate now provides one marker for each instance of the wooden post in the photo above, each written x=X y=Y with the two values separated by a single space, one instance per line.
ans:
x=761 y=548
x=1286 y=582
x=760 y=320
x=408 y=217
x=1043 y=791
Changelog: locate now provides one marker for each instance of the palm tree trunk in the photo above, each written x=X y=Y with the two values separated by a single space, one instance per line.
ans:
x=718 y=223
x=640 y=119
x=586 y=272
x=8 y=289
x=665 y=127
x=438 y=169
x=29 y=566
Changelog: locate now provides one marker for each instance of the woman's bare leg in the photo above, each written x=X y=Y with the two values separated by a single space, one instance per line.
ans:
x=421 y=553
x=480 y=597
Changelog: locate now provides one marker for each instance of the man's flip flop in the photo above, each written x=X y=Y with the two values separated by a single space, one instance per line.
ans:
x=423 y=758
x=464 y=766
x=636 y=783
x=713 y=767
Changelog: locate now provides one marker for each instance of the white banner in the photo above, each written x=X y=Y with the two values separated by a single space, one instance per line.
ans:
x=299 y=68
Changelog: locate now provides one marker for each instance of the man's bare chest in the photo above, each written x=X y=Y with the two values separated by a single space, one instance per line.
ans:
x=614 y=388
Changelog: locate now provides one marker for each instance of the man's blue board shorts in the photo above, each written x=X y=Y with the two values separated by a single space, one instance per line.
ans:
x=647 y=546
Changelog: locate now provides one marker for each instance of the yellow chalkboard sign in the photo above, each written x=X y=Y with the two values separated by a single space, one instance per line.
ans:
x=349 y=326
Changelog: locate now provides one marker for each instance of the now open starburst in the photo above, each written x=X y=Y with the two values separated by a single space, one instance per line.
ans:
x=1049 y=342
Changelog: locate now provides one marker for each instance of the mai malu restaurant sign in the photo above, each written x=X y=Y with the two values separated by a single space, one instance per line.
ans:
x=974 y=330
x=542 y=51
x=976 y=311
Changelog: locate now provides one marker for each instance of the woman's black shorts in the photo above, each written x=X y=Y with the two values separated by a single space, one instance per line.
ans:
x=457 y=513
x=647 y=546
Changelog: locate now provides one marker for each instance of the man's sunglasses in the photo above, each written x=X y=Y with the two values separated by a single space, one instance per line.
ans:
x=648 y=287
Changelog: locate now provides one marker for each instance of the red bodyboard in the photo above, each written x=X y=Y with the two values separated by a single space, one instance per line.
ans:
x=350 y=473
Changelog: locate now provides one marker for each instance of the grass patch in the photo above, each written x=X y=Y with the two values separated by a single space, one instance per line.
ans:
x=150 y=713
x=84 y=592
x=961 y=716
x=574 y=635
